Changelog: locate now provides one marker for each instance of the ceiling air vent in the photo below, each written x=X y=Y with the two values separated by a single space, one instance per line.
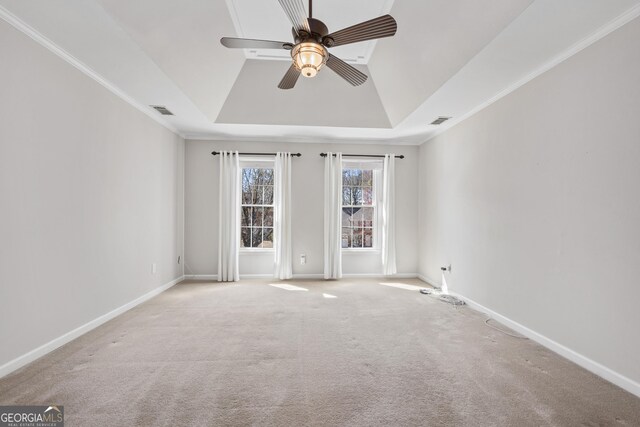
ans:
x=440 y=120
x=162 y=110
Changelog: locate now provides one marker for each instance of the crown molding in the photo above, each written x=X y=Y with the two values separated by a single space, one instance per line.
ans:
x=599 y=34
x=301 y=139
x=39 y=38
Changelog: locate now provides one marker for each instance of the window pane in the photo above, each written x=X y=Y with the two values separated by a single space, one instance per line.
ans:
x=367 y=177
x=256 y=237
x=346 y=216
x=367 y=217
x=251 y=195
x=245 y=240
x=268 y=195
x=367 y=195
x=356 y=176
x=356 y=195
x=247 y=197
x=346 y=176
x=346 y=196
x=246 y=179
x=357 y=219
x=266 y=177
x=258 y=214
x=246 y=186
x=368 y=238
x=257 y=195
x=246 y=216
x=346 y=237
x=267 y=220
x=267 y=238
x=357 y=237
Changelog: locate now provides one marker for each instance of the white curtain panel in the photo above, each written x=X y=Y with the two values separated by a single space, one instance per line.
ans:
x=229 y=214
x=333 y=216
x=282 y=217
x=388 y=215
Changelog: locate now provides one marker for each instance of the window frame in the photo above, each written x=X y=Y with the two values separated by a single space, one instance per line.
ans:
x=256 y=163
x=375 y=166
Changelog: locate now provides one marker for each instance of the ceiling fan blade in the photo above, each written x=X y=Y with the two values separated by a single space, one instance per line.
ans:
x=383 y=26
x=346 y=71
x=236 y=43
x=297 y=14
x=290 y=78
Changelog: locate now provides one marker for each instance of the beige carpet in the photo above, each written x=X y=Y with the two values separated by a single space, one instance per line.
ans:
x=253 y=354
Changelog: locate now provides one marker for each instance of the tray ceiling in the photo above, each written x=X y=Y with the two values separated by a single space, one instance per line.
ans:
x=448 y=58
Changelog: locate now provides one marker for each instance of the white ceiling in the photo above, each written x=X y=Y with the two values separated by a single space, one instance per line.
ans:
x=448 y=58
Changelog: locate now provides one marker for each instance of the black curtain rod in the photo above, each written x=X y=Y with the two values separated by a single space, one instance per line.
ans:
x=362 y=155
x=215 y=153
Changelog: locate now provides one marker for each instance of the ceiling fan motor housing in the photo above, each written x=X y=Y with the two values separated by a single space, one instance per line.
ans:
x=318 y=32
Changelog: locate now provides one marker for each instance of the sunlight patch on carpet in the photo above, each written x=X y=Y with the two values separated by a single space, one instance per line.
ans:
x=287 y=287
x=329 y=296
x=401 y=286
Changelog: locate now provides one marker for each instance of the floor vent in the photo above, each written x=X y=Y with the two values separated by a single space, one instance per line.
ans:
x=162 y=110
x=440 y=120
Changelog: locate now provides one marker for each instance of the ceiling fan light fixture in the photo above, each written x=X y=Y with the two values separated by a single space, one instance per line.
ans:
x=309 y=58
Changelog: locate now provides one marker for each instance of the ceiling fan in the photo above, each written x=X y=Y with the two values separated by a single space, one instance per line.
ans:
x=311 y=41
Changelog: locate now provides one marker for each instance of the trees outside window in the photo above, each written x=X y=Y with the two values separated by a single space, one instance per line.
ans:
x=257 y=208
x=358 y=208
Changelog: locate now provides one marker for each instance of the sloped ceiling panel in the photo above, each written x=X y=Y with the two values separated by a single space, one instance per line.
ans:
x=325 y=100
x=435 y=39
x=182 y=37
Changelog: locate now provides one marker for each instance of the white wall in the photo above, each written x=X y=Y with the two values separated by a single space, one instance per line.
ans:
x=201 y=208
x=91 y=193
x=535 y=201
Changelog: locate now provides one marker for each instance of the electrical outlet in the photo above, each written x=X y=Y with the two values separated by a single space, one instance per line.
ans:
x=154 y=268
x=303 y=259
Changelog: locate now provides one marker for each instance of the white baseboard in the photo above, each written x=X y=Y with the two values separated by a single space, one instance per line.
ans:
x=590 y=365
x=201 y=277
x=314 y=276
x=214 y=277
x=380 y=275
x=29 y=357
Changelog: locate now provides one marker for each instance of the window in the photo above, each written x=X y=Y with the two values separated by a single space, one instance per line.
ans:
x=358 y=208
x=257 y=207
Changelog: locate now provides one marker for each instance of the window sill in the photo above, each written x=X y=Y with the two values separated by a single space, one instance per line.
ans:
x=256 y=251
x=360 y=251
